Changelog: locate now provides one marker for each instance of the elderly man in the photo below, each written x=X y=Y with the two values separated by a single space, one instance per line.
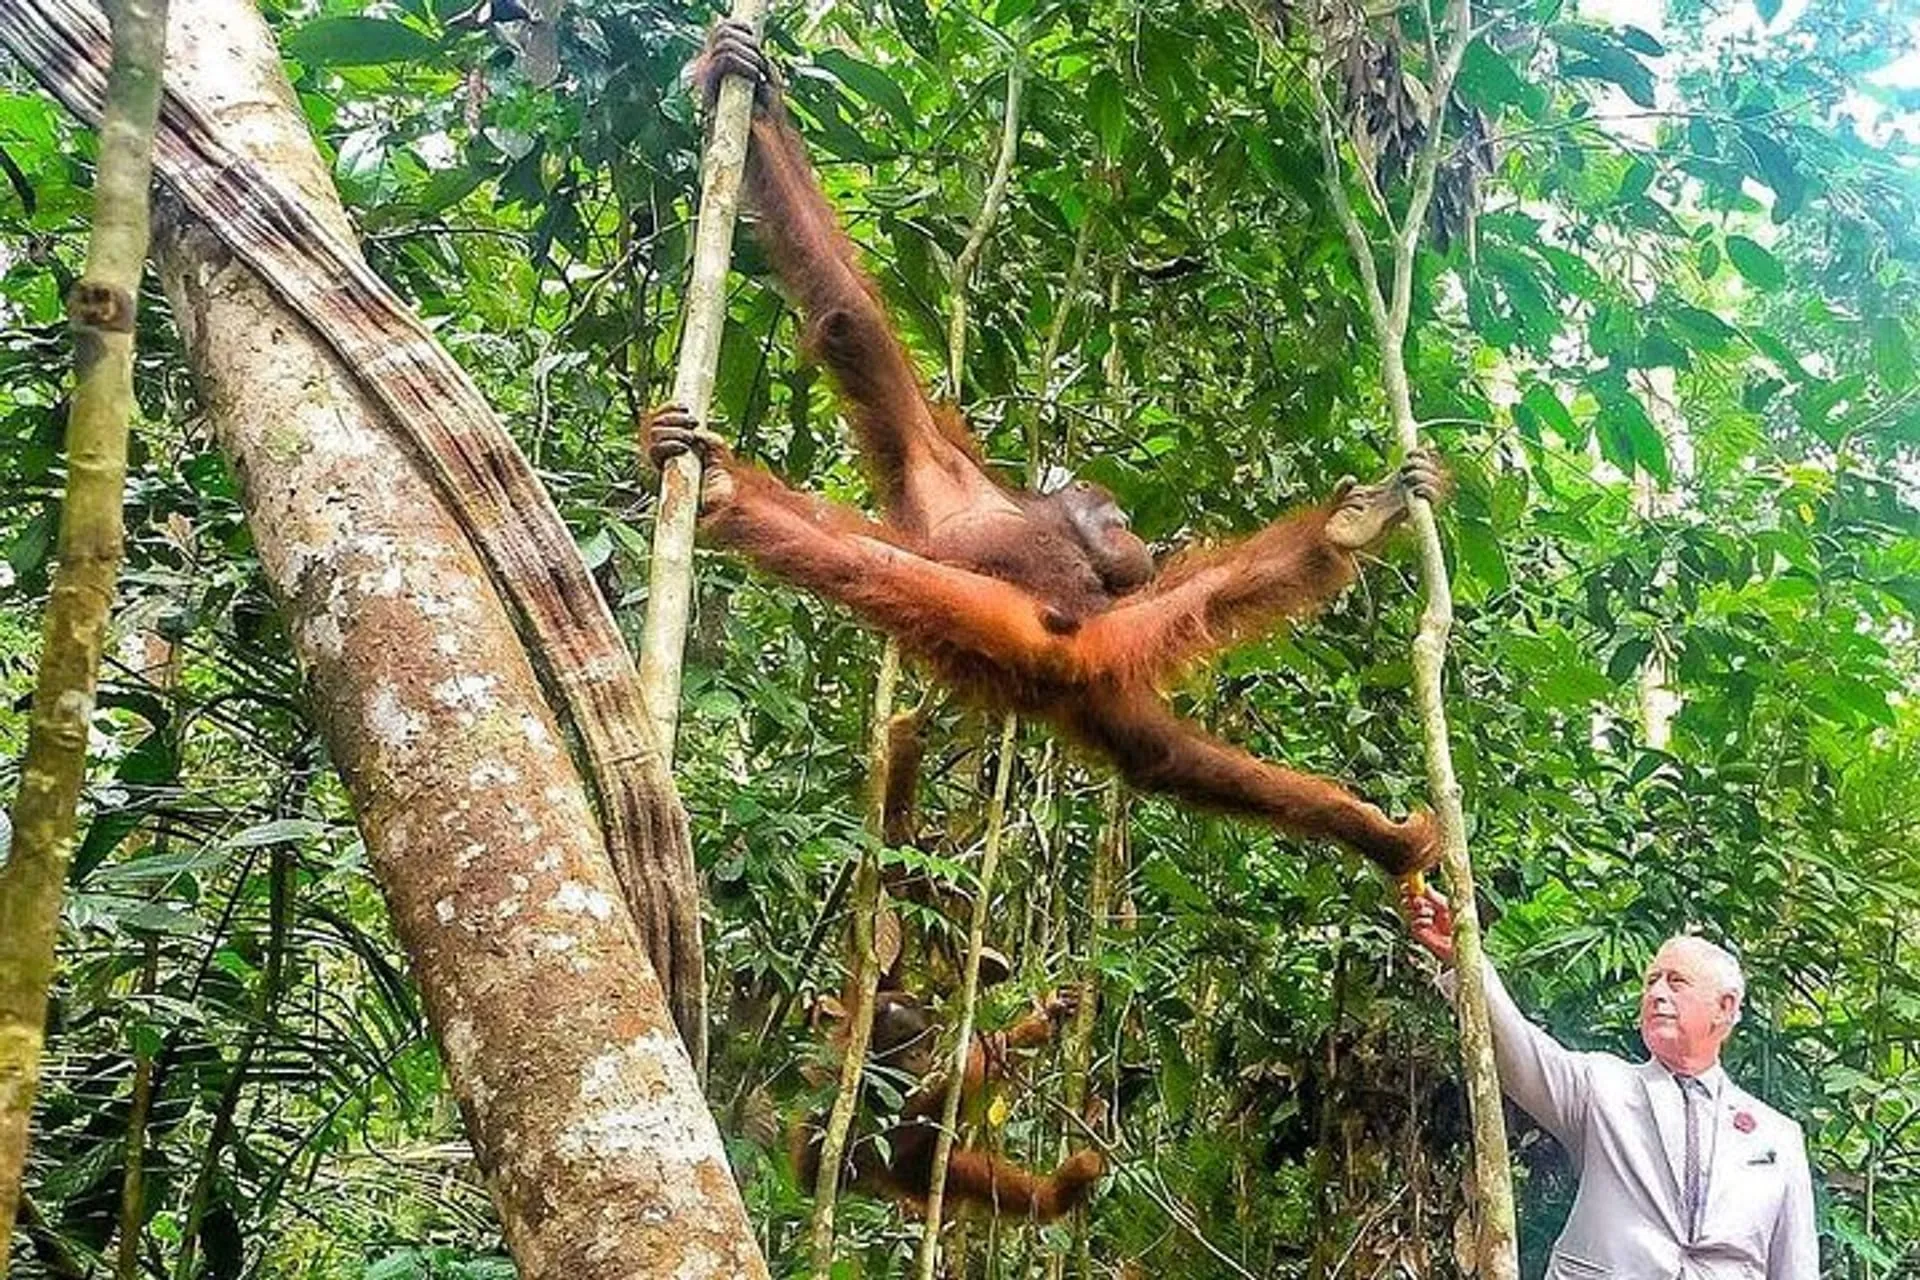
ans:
x=1683 y=1174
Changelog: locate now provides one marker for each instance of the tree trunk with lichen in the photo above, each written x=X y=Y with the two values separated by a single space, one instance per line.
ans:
x=315 y=268
x=101 y=310
x=580 y=1100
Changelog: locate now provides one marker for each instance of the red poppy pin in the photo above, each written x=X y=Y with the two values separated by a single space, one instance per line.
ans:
x=1744 y=1121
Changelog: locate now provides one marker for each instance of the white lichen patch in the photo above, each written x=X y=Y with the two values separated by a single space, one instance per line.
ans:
x=549 y=861
x=472 y=693
x=537 y=733
x=558 y=943
x=391 y=723
x=445 y=911
x=467 y=854
x=627 y=1108
x=490 y=773
x=378 y=559
x=574 y=898
x=322 y=638
x=507 y=908
x=463 y=1049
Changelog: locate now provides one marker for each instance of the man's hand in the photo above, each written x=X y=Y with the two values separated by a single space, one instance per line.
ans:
x=1430 y=921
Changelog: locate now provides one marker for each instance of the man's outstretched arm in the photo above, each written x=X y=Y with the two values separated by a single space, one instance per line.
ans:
x=1548 y=1080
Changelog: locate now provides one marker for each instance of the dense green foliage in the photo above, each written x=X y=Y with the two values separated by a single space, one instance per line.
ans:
x=1670 y=361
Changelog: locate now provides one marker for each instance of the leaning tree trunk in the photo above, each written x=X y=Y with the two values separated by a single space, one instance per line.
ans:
x=579 y=1098
x=503 y=509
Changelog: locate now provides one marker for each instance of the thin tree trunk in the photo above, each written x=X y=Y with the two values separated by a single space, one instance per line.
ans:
x=1390 y=311
x=101 y=310
x=1078 y=1051
x=581 y=1102
x=670 y=575
x=133 y=1190
x=969 y=997
x=301 y=245
x=1050 y=349
x=864 y=981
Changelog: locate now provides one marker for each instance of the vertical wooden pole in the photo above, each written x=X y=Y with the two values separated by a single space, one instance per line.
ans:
x=670 y=575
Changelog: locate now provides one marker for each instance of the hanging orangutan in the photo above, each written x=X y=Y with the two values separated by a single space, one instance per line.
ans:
x=895 y=1158
x=1045 y=604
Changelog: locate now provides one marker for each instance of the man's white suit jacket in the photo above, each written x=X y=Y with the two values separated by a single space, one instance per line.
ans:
x=1625 y=1126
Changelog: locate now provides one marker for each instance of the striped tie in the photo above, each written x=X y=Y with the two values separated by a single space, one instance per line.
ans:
x=1691 y=1090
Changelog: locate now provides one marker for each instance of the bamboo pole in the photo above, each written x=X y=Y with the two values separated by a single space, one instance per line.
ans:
x=1390 y=311
x=101 y=310
x=663 y=637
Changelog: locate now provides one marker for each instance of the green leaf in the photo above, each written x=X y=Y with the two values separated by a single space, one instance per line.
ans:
x=1627 y=658
x=1642 y=41
x=869 y=82
x=1649 y=446
x=1773 y=165
x=1892 y=352
x=279 y=831
x=1107 y=111
x=1481 y=553
x=1639 y=177
x=1599 y=55
x=1490 y=81
x=915 y=25
x=1761 y=268
x=1777 y=351
x=1545 y=405
x=33 y=543
x=1702 y=327
x=357 y=42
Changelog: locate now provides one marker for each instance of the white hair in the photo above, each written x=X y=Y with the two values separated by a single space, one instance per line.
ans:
x=1726 y=969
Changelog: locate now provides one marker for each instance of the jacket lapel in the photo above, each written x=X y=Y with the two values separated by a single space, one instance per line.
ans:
x=1668 y=1117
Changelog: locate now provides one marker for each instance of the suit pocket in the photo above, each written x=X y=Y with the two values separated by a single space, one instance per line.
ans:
x=1573 y=1267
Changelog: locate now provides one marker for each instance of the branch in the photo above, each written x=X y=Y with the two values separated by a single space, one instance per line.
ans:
x=1407 y=235
x=864 y=981
x=1356 y=234
x=983 y=225
x=969 y=998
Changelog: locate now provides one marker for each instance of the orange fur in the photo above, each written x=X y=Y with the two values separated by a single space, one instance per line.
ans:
x=1002 y=592
x=897 y=1163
